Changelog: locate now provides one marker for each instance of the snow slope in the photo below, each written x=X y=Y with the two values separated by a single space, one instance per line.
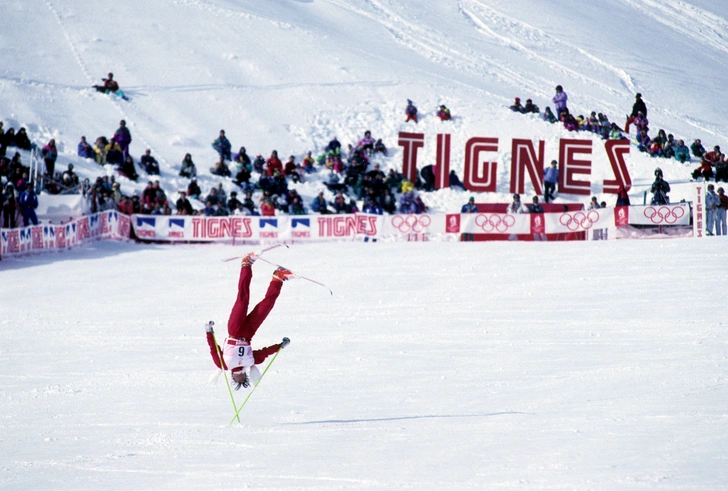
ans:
x=289 y=75
x=433 y=366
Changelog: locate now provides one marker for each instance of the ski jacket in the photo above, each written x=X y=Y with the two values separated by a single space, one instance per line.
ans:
x=237 y=352
x=560 y=101
x=639 y=107
x=551 y=174
x=712 y=201
x=122 y=136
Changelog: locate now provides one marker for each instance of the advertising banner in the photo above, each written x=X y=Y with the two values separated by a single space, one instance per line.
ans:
x=47 y=237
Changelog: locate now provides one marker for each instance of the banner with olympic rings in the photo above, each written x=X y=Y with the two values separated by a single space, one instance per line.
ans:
x=496 y=223
x=579 y=221
x=422 y=225
x=673 y=214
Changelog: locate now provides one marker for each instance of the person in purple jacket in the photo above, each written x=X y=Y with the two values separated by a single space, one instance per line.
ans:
x=550 y=178
x=123 y=138
x=560 y=101
x=84 y=149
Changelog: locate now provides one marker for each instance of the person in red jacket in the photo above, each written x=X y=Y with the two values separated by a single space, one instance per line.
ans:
x=274 y=164
x=237 y=353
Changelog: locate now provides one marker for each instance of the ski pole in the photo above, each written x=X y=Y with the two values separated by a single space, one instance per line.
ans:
x=257 y=252
x=253 y=389
x=296 y=275
x=227 y=383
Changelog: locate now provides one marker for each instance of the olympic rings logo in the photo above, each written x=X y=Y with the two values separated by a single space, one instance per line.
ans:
x=664 y=214
x=579 y=220
x=495 y=223
x=411 y=223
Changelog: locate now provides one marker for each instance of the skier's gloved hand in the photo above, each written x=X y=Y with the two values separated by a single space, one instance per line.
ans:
x=285 y=342
x=208 y=327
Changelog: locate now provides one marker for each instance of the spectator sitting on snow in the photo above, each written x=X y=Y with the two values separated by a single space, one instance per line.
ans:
x=444 y=113
x=420 y=206
x=643 y=141
x=714 y=156
x=193 y=190
x=659 y=189
x=308 y=163
x=516 y=106
x=615 y=133
x=530 y=107
x=187 y=167
x=22 y=141
x=289 y=168
x=721 y=169
x=150 y=164
x=233 y=203
x=454 y=181
x=682 y=152
x=697 y=148
x=274 y=164
x=549 y=116
x=100 y=150
x=222 y=146
x=249 y=204
x=406 y=203
x=84 y=149
x=127 y=169
x=241 y=159
x=220 y=168
x=366 y=144
x=704 y=170
x=641 y=123
x=114 y=155
x=319 y=205
x=109 y=85
x=569 y=121
x=267 y=209
x=605 y=126
x=183 y=205
x=259 y=164
x=212 y=197
x=668 y=148
x=372 y=207
x=410 y=112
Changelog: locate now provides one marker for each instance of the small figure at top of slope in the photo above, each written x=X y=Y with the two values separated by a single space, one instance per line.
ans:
x=411 y=112
x=110 y=86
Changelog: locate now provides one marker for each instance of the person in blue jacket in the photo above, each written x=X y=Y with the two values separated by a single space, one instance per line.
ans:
x=470 y=206
x=223 y=146
x=550 y=178
x=28 y=203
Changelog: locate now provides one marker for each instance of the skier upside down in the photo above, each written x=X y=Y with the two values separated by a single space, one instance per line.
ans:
x=237 y=354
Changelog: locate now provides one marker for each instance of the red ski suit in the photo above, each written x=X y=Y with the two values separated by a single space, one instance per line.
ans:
x=242 y=325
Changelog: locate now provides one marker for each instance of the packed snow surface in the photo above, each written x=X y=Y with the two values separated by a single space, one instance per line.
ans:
x=433 y=366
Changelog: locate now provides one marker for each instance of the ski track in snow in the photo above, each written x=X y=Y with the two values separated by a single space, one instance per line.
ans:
x=701 y=26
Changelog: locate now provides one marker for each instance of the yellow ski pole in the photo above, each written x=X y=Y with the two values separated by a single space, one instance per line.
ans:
x=227 y=383
x=256 y=385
